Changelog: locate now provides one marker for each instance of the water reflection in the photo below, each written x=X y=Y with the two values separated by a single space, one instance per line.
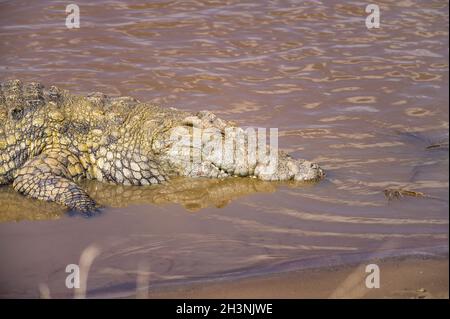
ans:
x=192 y=194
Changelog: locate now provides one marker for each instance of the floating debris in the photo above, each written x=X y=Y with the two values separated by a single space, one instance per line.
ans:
x=421 y=290
x=437 y=146
x=431 y=142
x=396 y=193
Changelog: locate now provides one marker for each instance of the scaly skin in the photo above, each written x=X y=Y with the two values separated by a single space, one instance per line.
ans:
x=50 y=139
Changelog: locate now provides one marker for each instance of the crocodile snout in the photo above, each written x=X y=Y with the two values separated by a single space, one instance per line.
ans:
x=309 y=171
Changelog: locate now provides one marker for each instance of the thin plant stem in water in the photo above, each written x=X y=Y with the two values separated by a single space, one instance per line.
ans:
x=87 y=257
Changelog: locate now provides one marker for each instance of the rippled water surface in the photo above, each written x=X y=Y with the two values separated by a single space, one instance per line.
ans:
x=366 y=104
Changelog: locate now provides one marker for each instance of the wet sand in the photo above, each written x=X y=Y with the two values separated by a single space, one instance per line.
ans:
x=402 y=278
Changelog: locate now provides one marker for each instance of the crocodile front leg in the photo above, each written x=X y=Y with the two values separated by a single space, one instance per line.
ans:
x=50 y=176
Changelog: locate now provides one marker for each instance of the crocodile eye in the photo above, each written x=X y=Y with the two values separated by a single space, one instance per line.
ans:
x=16 y=114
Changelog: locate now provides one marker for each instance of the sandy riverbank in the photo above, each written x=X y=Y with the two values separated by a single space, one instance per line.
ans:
x=399 y=278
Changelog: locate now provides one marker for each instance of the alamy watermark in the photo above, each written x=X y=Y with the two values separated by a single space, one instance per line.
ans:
x=73 y=16
x=373 y=19
x=373 y=278
x=231 y=147
x=73 y=279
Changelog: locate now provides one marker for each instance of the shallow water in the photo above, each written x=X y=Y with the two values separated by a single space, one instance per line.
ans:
x=363 y=103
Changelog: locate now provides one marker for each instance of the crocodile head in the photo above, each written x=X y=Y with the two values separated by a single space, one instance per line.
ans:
x=205 y=145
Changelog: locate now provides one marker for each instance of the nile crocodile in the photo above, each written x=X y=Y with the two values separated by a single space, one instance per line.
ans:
x=51 y=139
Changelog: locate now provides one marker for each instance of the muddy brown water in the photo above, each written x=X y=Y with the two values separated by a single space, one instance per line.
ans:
x=363 y=103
